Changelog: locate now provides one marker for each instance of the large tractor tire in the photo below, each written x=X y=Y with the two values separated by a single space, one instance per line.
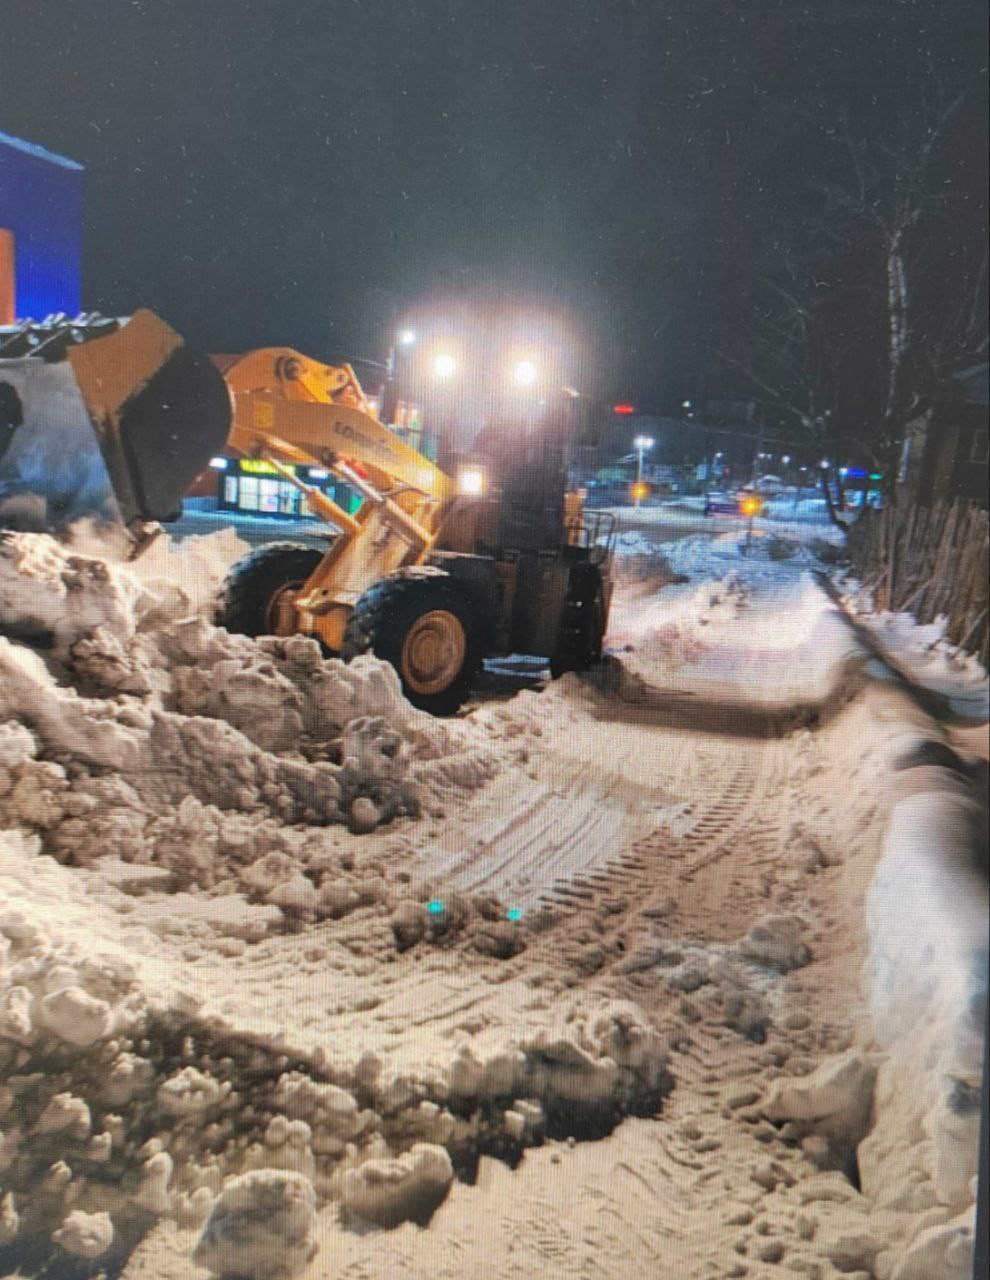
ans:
x=257 y=597
x=582 y=629
x=425 y=626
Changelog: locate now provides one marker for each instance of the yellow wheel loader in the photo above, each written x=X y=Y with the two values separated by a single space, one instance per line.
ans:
x=433 y=572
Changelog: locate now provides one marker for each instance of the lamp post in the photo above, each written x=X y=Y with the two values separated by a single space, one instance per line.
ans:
x=444 y=369
x=402 y=340
x=641 y=444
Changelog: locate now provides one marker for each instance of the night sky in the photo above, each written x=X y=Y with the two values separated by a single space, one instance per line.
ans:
x=310 y=172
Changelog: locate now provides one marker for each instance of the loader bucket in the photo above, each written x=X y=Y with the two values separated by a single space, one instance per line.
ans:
x=103 y=419
x=159 y=409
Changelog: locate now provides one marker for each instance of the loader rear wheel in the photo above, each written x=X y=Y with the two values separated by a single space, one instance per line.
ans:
x=425 y=626
x=258 y=595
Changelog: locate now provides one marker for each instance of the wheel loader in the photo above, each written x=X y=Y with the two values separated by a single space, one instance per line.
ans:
x=434 y=572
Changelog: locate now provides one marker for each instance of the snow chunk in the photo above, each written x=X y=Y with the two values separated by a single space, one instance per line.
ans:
x=839 y=1090
x=85 y=1235
x=65 y=1113
x=408 y=1187
x=17 y=744
x=189 y=1092
x=77 y=1017
x=46 y=589
x=229 y=915
x=941 y=1253
x=262 y=1227
x=775 y=941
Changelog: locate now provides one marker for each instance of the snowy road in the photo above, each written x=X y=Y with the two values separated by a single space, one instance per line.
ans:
x=598 y=974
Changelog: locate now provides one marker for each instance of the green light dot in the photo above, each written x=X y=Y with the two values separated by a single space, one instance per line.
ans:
x=513 y=914
x=435 y=907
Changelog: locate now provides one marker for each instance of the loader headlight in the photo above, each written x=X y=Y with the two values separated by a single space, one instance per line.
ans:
x=218 y=464
x=524 y=373
x=472 y=481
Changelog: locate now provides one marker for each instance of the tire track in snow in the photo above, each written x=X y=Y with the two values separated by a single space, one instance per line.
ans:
x=551 y=836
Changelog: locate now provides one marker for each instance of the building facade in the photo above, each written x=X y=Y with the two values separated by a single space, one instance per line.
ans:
x=41 y=218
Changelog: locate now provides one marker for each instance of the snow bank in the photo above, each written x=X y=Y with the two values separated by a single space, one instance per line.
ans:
x=758 y=635
x=927 y=916
x=921 y=651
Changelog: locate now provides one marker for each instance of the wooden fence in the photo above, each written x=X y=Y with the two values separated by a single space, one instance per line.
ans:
x=931 y=561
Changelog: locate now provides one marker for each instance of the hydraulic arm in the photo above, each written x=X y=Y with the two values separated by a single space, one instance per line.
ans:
x=290 y=409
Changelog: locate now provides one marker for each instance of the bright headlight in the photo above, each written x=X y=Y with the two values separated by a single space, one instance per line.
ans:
x=524 y=373
x=471 y=481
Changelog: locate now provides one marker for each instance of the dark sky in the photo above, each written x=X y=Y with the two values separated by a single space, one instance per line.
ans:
x=307 y=172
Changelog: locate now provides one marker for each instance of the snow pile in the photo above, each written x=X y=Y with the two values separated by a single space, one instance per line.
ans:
x=184 y=577
x=239 y=999
x=188 y=715
x=758 y=554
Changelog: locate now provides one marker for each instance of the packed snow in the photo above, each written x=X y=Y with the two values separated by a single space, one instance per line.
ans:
x=296 y=981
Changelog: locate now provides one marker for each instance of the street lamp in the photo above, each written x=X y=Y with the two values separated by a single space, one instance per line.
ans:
x=386 y=405
x=444 y=366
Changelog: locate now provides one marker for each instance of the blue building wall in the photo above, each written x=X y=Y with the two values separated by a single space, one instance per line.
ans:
x=41 y=202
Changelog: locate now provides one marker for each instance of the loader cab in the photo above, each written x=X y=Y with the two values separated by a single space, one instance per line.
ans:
x=537 y=565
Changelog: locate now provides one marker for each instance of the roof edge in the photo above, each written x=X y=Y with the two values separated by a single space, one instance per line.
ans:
x=38 y=152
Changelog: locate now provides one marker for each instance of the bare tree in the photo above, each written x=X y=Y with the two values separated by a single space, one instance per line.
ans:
x=878 y=296
x=891 y=198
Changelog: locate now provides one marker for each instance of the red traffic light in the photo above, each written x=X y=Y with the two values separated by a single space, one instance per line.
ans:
x=624 y=410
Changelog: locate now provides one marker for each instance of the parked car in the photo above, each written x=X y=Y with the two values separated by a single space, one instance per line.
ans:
x=720 y=502
x=738 y=502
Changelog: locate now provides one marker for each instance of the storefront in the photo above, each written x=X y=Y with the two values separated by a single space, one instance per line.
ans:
x=252 y=486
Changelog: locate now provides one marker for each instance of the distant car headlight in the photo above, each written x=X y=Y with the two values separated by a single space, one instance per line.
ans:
x=472 y=481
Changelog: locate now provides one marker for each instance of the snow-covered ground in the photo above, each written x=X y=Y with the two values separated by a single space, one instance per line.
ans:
x=632 y=969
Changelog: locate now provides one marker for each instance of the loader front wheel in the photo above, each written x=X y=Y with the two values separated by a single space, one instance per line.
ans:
x=258 y=595
x=425 y=627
